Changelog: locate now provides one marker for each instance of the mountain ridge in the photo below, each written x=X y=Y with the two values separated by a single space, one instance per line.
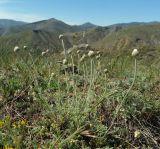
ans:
x=5 y=23
x=44 y=34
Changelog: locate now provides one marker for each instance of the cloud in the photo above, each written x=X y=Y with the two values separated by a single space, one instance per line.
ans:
x=20 y=16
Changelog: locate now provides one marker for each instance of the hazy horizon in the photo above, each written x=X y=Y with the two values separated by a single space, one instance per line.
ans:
x=79 y=24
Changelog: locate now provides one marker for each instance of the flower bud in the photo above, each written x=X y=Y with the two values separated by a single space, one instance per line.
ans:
x=90 y=53
x=43 y=53
x=16 y=48
x=135 y=52
x=105 y=70
x=25 y=47
x=64 y=62
x=82 y=58
x=61 y=36
x=78 y=51
x=137 y=134
x=98 y=56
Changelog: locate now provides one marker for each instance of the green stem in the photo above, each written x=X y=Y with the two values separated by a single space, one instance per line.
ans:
x=72 y=65
x=65 y=53
x=91 y=69
x=134 y=78
x=135 y=73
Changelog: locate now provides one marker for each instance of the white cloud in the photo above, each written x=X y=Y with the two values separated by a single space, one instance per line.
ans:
x=20 y=16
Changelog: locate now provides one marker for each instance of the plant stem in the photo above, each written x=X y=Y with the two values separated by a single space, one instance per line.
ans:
x=65 y=53
x=135 y=73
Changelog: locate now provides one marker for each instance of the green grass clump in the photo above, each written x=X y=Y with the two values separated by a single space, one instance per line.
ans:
x=42 y=107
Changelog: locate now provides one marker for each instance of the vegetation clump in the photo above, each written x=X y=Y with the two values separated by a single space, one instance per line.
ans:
x=105 y=102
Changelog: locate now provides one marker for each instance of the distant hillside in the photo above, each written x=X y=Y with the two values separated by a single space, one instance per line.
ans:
x=42 y=34
x=87 y=25
x=122 y=37
x=51 y=25
x=33 y=39
x=6 y=24
x=117 y=37
x=131 y=36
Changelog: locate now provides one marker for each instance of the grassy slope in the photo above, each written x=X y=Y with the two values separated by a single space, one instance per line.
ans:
x=136 y=36
x=117 y=38
x=90 y=110
x=39 y=35
x=41 y=40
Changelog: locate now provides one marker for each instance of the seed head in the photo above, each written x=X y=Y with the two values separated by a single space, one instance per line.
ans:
x=52 y=74
x=78 y=51
x=64 y=61
x=82 y=58
x=71 y=65
x=137 y=134
x=90 y=53
x=69 y=51
x=86 y=46
x=98 y=52
x=105 y=70
x=61 y=36
x=135 y=52
x=43 y=53
x=16 y=48
x=98 y=56
x=25 y=47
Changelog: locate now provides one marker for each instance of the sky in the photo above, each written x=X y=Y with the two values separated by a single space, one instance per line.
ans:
x=99 y=12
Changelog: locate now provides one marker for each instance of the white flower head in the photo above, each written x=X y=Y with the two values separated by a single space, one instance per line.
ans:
x=105 y=70
x=71 y=65
x=98 y=56
x=25 y=47
x=78 y=51
x=64 y=61
x=69 y=51
x=52 y=74
x=61 y=36
x=82 y=58
x=43 y=53
x=98 y=52
x=87 y=45
x=91 y=53
x=135 y=52
x=137 y=134
x=47 y=50
x=16 y=48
